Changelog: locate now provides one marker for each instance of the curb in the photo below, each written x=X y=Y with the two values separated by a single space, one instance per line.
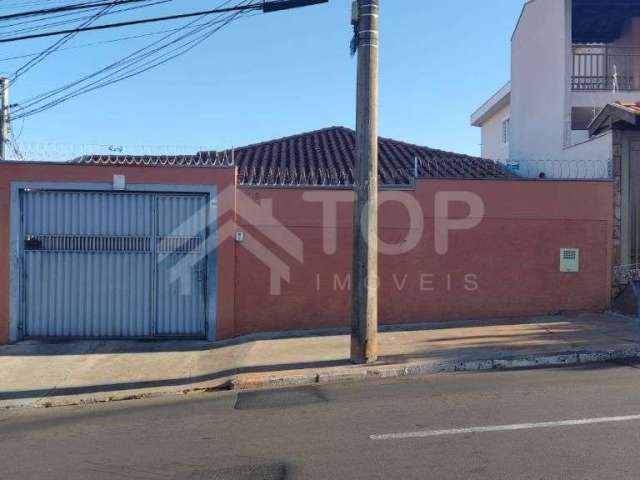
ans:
x=349 y=374
x=365 y=373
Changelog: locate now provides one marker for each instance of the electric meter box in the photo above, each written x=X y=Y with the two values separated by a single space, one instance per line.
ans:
x=570 y=260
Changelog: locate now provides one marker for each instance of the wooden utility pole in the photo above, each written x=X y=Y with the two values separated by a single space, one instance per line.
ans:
x=4 y=116
x=364 y=317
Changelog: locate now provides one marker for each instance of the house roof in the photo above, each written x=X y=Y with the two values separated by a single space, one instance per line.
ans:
x=322 y=157
x=623 y=115
x=498 y=101
x=595 y=21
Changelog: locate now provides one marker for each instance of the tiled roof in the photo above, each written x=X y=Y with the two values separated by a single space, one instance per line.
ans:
x=616 y=115
x=632 y=107
x=322 y=157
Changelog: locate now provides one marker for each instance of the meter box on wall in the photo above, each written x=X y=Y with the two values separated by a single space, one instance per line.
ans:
x=570 y=260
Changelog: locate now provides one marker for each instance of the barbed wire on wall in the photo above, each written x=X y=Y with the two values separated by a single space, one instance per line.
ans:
x=457 y=166
x=562 y=169
x=62 y=152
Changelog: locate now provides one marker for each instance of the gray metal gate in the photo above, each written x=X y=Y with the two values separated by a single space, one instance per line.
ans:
x=111 y=264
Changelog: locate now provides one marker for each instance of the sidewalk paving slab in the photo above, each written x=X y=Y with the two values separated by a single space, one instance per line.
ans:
x=39 y=374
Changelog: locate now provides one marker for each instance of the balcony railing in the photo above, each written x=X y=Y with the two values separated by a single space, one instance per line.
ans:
x=602 y=68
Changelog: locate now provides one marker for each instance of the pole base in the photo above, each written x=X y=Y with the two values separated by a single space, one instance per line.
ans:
x=362 y=356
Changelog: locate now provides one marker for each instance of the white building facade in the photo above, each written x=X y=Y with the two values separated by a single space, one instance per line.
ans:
x=571 y=108
x=569 y=59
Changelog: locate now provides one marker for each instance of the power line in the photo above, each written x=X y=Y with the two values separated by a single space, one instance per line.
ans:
x=131 y=22
x=45 y=53
x=273 y=6
x=92 y=44
x=48 y=51
x=135 y=55
x=123 y=76
x=146 y=58
x=126 y=67
x=39 y=21
x=8 y=6
x=280 y=5
x=38 y=25
x=65 y=8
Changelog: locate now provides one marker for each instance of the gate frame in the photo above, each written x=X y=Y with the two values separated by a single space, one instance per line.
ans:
x=16 y=245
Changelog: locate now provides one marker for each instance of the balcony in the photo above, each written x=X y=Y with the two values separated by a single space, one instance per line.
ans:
x=602 y=67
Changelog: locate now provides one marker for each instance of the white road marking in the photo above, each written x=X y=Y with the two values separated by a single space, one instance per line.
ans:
x=503 y=428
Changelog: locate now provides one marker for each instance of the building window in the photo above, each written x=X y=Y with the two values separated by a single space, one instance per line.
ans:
x=506 y=130
x=581 y=117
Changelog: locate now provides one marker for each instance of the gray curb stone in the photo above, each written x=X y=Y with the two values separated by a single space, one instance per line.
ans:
x=355 y=374
x=349 y=374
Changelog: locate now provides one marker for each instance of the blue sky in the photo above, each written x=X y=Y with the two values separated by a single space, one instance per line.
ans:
x=273 y=75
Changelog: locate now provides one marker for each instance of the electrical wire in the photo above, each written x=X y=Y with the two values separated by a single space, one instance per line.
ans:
x=123 y=73
x=151 y=56
x=92 y=44
x=37 y=25
x=46 y=52
x=39 y=22
x=65 y=8
x=146 y=50
x=14 y=6
x=57 y=45
x=142 y=51
x=253 y=6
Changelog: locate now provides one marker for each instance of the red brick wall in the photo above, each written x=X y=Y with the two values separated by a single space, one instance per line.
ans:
x=512 y=256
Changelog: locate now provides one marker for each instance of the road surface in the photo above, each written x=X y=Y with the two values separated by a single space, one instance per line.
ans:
x=569 y=423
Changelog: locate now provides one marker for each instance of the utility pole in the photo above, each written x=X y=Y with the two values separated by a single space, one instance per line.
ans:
x=364 y=316
x=4 y=116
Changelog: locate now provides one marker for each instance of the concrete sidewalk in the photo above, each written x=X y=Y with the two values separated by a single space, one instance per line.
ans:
x=35 y=374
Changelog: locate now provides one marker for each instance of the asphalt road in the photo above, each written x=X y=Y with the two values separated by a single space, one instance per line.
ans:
x=498 y=425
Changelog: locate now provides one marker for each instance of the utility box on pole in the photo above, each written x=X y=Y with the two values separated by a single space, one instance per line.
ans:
x=364 y=319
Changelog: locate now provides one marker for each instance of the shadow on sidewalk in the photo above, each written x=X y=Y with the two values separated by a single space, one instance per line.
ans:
x=228 y=374
x=54 y=347
x=169 y=382
x=568 y=335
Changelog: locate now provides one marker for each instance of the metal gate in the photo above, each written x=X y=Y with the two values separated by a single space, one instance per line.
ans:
x=113 y=264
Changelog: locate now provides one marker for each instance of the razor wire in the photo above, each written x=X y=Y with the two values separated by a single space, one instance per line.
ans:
x=458 y=166
x=64 y=152
x=562 y=169
x=402 y=175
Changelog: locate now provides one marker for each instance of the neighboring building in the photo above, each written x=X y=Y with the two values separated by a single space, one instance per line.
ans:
x=494 y=116
x=571 y=108
x=569 y=59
